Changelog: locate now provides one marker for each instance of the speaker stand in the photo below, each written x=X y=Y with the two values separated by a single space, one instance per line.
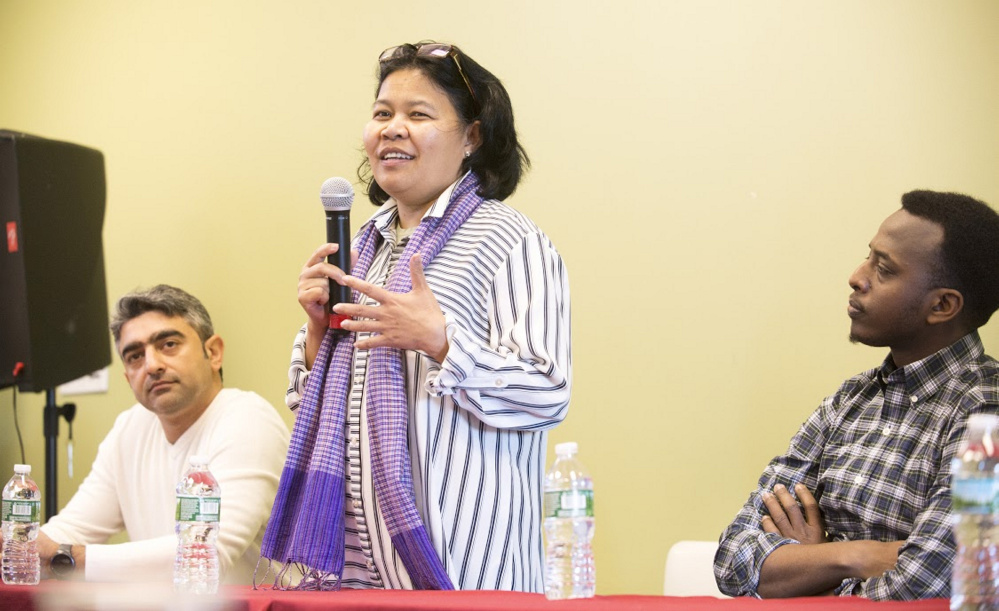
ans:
x=50 y=428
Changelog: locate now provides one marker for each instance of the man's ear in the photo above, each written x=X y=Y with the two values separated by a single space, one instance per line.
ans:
x=214 y=348
x=945 y=305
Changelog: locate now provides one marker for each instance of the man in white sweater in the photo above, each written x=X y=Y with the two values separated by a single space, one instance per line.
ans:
x=173 y=362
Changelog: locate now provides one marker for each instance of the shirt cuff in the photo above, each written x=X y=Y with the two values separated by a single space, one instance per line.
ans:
x=150 y=560
x=848 y=587
x=460 y=361
x=770 y=542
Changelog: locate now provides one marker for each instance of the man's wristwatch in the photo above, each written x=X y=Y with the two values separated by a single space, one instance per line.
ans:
x=63 y=564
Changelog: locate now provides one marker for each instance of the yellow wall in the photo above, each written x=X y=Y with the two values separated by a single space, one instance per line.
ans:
x=711 y=171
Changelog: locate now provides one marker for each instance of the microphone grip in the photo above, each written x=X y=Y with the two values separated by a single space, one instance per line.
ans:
x=338 y=232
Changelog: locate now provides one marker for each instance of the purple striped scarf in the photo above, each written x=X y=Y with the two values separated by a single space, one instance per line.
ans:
x=306 y=524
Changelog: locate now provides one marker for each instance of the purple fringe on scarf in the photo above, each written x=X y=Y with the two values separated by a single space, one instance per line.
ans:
x=306 y=523
x=415 y=544
x=298 y=531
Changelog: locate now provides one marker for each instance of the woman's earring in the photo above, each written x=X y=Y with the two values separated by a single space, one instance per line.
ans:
x=467 y=154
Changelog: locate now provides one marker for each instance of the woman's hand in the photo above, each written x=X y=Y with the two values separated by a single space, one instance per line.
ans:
x=408 y=321
x=314 y=294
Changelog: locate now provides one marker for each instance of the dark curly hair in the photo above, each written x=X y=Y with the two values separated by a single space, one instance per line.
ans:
x=499 y=161
x=969 y=254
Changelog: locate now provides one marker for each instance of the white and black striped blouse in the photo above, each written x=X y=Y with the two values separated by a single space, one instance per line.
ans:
x=478 y=422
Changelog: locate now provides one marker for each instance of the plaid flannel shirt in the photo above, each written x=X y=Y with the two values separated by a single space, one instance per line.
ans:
x=877 y=456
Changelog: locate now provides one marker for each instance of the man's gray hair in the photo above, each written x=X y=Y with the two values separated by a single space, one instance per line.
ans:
x=167 y=300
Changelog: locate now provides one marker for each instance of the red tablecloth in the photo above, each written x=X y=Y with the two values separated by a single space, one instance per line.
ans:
x=505 y=601
x=62 y=596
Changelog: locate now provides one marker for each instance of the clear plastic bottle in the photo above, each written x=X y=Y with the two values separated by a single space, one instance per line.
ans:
x=975 y=503
x=20 y=511
x=196 y=569
x=569 y=568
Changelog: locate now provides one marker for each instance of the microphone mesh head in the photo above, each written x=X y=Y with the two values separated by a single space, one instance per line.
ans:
x=337 y=194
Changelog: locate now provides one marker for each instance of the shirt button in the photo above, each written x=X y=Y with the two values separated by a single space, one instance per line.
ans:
x=371 y=566
x=357 y=504
x=858 y=480
x=913 y=398
x=499 y=383
x=354 y=441
x=887 y=430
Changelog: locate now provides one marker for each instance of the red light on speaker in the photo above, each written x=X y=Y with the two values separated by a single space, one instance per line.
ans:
x=11 y=236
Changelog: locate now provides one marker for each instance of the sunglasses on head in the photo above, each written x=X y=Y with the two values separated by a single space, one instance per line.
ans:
x=432 y=50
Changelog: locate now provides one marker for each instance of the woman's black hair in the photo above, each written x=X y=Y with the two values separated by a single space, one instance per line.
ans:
x=500 y=160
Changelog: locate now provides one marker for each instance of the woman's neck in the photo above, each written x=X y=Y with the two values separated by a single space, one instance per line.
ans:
x=410 y=216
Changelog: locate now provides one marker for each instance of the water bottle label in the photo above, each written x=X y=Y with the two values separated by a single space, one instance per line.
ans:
x=20 y=511
x=197 y=508
x=975 y=495
x=569 y=504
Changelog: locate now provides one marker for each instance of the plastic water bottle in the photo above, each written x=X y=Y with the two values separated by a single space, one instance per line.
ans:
x=975 y=502
x=196 y=569
x=20 y=509
x=569 y=568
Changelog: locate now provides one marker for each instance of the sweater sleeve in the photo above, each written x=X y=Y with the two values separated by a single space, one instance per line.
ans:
x=147 y=560
x=94 y=513
x=245 y=448
x=246 y=452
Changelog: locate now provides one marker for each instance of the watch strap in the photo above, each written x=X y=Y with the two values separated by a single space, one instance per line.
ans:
x=66 y=569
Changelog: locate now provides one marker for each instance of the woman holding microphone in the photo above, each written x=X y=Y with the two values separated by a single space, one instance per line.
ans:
x=418 y=453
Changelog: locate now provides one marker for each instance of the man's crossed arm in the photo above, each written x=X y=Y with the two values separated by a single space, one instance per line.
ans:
x=817 y=566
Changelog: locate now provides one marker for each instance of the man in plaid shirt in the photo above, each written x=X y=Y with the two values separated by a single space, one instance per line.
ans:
x=860 y=502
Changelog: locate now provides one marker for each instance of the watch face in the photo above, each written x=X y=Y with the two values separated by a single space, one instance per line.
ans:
x=62 y=564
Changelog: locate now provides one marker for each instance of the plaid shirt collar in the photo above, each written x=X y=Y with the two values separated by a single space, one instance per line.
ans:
x=924 y=377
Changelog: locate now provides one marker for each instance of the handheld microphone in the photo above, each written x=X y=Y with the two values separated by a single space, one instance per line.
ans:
x=337 y=195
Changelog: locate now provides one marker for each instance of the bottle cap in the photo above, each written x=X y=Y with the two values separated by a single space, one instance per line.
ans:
x=22 y=469
x=197 y=459
x=982 y=422
x=567 y=447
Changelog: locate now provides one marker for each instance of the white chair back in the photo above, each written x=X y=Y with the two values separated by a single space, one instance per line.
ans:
x=690 y=570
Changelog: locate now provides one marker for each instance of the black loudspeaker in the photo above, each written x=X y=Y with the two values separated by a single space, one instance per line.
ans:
x=53 y=296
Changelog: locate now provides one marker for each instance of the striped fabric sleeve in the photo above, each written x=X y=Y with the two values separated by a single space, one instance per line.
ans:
x=521 y=378
x=298 y=375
